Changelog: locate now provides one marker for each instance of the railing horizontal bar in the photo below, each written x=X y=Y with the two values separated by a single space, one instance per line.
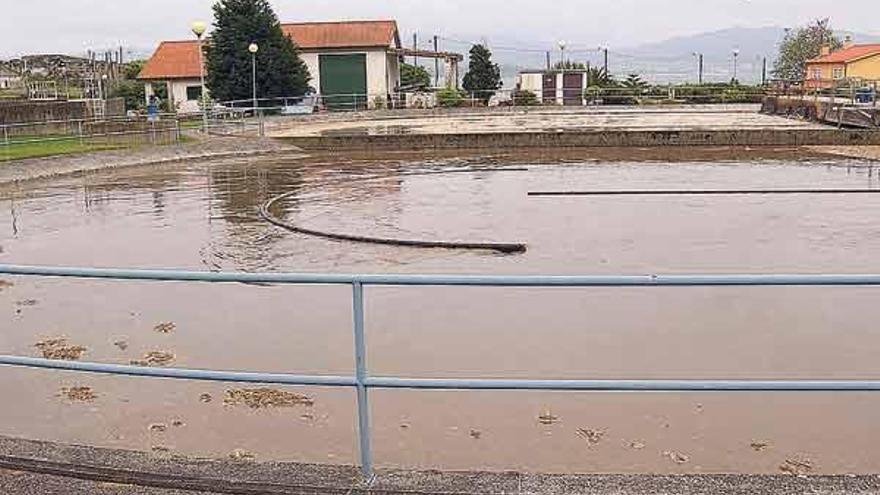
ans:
x=627 y=385
x=452 y=384
x=179 y=373
x=450 y=280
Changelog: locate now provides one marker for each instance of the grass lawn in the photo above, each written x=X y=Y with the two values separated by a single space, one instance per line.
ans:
x=18 y=151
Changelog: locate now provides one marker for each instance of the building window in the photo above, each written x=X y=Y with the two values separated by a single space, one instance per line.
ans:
x=817 y=74
x=837 y=73
x=193 y=93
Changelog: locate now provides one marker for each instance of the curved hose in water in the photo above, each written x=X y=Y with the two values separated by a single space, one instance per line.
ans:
x=487 y=246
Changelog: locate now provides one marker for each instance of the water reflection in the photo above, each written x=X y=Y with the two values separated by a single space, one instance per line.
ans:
x=204 y=216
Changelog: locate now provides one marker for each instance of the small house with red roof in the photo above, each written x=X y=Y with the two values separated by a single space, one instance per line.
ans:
x=355 y=62
x=858 y=63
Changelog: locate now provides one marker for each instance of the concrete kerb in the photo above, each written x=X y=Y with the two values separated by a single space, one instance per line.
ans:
x=237 y=477
x=52 y=167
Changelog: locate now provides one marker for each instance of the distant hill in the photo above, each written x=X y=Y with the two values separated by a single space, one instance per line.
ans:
x=671 y=60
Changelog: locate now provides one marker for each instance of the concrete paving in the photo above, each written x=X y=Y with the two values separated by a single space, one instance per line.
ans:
x=492 y=121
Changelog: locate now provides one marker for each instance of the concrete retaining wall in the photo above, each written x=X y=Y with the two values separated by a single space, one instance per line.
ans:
x=623 y=139
x=18 y=111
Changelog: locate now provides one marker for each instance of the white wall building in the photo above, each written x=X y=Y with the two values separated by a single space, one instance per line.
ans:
x=352 y=63
x=555 y=87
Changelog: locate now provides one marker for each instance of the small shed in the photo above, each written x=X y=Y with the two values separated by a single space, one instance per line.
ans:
x=555 y=87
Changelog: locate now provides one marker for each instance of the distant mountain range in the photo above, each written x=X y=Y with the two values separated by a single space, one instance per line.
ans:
x=672 y=60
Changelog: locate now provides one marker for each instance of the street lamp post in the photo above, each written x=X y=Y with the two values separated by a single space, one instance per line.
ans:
x=198 y=29
x=735 y=64
x=699 y=57
x=254 y=48
x=562 y=46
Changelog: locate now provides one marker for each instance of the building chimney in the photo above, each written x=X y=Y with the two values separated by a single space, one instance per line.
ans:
x=825 y=50
x=848 y=42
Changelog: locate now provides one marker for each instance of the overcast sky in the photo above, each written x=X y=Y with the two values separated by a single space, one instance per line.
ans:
x=73 y=26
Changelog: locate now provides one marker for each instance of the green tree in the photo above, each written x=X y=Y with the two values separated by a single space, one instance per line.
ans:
x=598 y=77
x=801 y=45
x=132 y=90
x=569 y=65
x=634 y=81
x=237 y=24
x=483 y=77
x=414 y=76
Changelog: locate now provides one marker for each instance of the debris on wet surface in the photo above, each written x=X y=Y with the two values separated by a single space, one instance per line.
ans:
x=178 y=423
x=476 y=434
x=155 y=358
x=79 y=394
x=121 y=344
x=242 y=455
x=167 y=327
x=206 y=398
x=799 y=466
x=548 y=418
x=60 y=349
x=27 y=303
x=676 y=457
x=592 y=437
x=759 y=446
x=636 y=445
x=5 y=284
x=262 y=398
x=158 y=428
x=160 y=449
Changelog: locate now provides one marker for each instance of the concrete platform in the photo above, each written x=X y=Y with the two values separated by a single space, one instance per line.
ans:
x=29 y=467
x=707 y=125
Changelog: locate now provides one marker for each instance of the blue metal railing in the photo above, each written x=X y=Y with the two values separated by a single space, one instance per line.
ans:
x=362 y=381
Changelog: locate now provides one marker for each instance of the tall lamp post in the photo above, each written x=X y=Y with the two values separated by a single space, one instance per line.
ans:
x=198 y=29
x=735 y=64
x=699 y=57
x=562 y=46
x=254 y=48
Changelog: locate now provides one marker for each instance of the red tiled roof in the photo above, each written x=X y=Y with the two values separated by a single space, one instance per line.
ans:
x=180 y=59
x=344 y=34
x=850 y=54
x=173 y=60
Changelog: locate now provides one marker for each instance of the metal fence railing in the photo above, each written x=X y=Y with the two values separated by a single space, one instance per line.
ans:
x=362 y=381
x=83 y=134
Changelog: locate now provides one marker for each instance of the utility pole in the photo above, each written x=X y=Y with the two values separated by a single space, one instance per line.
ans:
x=549 y=63
x=436 y=62
x=415 y=48
x=764 y=72
x=699 y=67
x=606 y=61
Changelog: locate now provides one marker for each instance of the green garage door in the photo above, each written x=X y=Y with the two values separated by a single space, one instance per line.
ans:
x=344 y=81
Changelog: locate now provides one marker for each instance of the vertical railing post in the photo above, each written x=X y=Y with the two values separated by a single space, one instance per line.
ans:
x=360 y=365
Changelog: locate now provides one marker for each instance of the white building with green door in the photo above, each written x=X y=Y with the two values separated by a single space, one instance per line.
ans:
x=353 y=64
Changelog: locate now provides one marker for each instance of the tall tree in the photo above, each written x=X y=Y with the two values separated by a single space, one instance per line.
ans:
x=237 y=24
x=800 y=45
x=414 y=76
x=483 y=76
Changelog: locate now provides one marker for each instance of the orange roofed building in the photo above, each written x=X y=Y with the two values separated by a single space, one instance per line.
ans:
x=344 y=58
x=859 y=63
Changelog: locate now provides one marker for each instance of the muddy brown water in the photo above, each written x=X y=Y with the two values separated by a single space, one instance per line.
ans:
x=204 y=217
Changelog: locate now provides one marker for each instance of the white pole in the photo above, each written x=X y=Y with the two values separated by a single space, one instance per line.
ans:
x=204 y=98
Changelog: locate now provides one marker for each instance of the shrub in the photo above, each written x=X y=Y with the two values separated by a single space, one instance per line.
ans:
x=525 y=98
x=449 y=97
